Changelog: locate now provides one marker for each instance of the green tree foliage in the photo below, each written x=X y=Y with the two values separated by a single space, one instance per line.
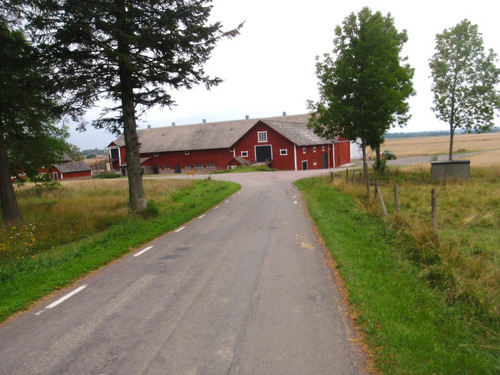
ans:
x=364 y=89
x=133 y=52
x=28 y=138
x=465 y=80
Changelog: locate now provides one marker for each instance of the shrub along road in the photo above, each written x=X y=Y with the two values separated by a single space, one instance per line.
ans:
x=241 y=289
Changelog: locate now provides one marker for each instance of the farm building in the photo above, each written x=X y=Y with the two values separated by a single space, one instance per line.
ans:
x=283 y=143
x=70 y=171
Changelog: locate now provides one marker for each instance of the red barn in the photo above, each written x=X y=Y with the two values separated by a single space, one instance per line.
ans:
x=283 y=143
x=70 y=171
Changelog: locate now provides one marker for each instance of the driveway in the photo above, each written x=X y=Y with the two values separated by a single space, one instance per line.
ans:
x=243 y=289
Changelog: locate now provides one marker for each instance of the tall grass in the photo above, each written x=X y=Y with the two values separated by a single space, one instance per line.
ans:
x=414 y=321
x=56 y=214
x=461 y=258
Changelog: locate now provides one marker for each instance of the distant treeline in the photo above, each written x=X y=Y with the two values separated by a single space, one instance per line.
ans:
x=91 y=154
x=430 y=133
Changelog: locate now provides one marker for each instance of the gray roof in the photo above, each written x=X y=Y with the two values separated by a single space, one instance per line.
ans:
x=76 y=166
x=224 y=134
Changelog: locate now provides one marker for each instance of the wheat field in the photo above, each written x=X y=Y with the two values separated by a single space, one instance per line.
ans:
x=440 y=144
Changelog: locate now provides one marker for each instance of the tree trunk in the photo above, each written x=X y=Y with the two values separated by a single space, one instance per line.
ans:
x=450 y=155
x=137 y=196
x=10 y=209
x=365 y=167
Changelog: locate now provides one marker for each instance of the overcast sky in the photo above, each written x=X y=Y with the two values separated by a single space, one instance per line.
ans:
x=270 y=67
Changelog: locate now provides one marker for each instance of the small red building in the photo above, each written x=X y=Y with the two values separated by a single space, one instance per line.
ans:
x=70 y=171
x=284 y=143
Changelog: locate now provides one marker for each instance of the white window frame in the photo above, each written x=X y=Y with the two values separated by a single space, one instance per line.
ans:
x=283 y=152
x=304 y=150
x=262 y=137
x=322 y=148
x=244 y=154
x=314 y=149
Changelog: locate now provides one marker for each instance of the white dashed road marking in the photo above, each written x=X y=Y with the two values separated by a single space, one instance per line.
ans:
x=143 y=251
x=178 y=230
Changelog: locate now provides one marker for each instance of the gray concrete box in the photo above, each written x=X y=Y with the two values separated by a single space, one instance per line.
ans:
x=450 y=170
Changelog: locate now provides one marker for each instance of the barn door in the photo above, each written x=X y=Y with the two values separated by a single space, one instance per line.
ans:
x=324 y=160
x=262 y=153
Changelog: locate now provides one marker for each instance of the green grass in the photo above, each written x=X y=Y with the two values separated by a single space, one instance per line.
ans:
x=409 y=326
x=26 y=279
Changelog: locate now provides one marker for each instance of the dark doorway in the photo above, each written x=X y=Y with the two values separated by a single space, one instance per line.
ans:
x=324 y=160
x=156 y=170
x=177 y=168
x=304 y=165
x=262 y=153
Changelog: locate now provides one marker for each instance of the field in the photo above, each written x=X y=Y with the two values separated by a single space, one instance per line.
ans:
x=440 y=145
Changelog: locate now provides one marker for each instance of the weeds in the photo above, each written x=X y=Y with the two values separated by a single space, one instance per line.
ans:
x=461 y=258
x=426 y=300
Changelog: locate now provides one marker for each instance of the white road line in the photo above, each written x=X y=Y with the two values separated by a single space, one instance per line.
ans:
x=216 y=207
x=69 y=295
x=227 y=201
x=143 y=251
x=201 y=217
x=178 y=230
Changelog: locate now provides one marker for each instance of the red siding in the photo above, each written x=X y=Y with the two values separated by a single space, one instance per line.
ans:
x=166 y=161
x=71 y=175
x=249 y=142
x=342 y=153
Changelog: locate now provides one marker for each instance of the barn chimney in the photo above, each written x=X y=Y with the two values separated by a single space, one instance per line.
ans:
x=284 y=114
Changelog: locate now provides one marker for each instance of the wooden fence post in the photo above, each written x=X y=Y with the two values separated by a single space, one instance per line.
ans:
x=347 y=176
x=381 y=198
x=396 y=198
x=434 y=209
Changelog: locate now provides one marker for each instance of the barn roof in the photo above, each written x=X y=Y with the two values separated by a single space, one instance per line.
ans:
x=224 y=134
x=76 y=166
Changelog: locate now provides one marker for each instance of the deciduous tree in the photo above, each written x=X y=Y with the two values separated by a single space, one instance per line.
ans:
x=133 y=52
x=365 y=87
x=465 y=80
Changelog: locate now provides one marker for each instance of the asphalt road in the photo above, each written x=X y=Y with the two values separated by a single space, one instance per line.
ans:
x=243 y=289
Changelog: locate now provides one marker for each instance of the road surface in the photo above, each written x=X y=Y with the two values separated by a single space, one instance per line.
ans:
x=243 y=289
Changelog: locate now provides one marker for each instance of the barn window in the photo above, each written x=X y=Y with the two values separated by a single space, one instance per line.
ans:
x=314 y=149
x=155 y=154
x=186 y=152
x=188 y=166
x=262 y=136
x=322 y=148
x=244 y=154
x=284 y=152
x=199 y=166
x=304 y=150
x=167 y=166
x=211 y=165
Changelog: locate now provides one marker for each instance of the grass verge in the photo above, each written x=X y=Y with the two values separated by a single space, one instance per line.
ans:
x=27 y=279
x=408 y=324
